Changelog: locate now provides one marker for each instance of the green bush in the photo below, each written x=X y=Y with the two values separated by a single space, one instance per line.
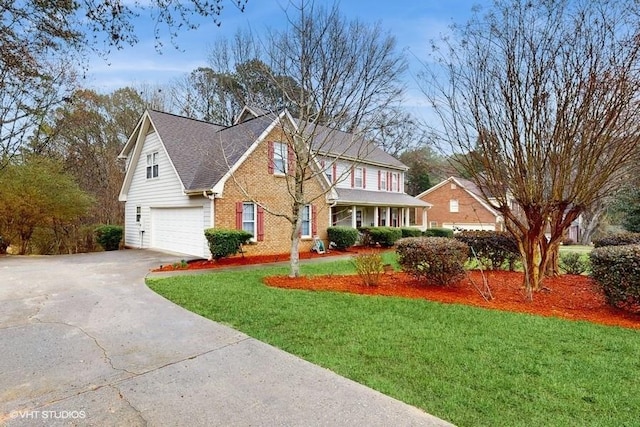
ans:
x=433 y=260
x=574 y=263
x=385 y=236
x=342 y=237
x=3 y=246
x=369 y=267
x=617 y=239
x=411 y=232
x=616 y=270
x=225 y=242
x=494 y=249
x=438 y=232
x=109 y=236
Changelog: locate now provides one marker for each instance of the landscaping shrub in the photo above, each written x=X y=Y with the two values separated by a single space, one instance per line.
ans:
x=342 y=237
x=495 y=249
x=384 y=236
x=109 y=236
x=438 y=232
x=433 y=260
x=573 y=263
x=369 y=267
x=616 y=270
x=617 y=239
x=3 y=246
x=225 y=242
x=411 y=232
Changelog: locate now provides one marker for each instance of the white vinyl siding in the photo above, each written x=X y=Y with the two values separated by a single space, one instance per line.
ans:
x=370 y=180
x=165 y=191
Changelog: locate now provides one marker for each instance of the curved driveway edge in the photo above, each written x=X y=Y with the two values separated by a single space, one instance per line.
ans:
x=83 y=341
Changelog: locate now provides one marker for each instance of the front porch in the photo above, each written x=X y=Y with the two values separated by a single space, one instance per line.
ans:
x=360 y=208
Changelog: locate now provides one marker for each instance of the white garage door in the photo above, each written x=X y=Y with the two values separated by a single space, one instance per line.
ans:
x=472 y=226
x=178 y=230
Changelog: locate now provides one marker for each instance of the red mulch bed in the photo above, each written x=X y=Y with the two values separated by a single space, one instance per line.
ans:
x=566 y=296
x=237 y=260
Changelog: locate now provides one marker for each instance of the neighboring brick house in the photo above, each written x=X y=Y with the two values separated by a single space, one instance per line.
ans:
x=184 y=175
x=458 y=204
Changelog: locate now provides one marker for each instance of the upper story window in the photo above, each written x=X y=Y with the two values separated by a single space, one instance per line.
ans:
x=280 y=158
x=453 y=205
x=152 y=165
x=358 y=177
x=329 y=170
x=383 y=181
x=395 y=182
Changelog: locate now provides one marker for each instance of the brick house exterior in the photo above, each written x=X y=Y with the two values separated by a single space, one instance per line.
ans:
x=458 y=205
x=184 y=175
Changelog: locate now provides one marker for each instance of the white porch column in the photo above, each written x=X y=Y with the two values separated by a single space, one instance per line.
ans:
x=388 y=221
x=424 y=219
x=353 y=216
x=407 y=217
x=375 y=216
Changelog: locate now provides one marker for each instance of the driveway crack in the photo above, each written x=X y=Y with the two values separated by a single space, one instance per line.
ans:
x=136 y=410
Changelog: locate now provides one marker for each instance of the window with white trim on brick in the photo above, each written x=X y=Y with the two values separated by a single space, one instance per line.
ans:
x=453 y=205
x=309 y=222
x=250 y=218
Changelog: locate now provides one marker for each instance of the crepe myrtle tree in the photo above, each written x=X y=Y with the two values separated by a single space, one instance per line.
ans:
x=542 y=96
x=345 y=74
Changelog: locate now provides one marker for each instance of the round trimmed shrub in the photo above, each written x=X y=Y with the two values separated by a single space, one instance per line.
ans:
x=433 y=260
x=342 y=237
x=225 y=242
x=495 y=249
x=616 y=270
x=109 y=236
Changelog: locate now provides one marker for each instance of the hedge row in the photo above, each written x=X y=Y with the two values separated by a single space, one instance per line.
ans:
x=617 y=239
x=383 y=236
x=616 y=270
x=342 y=237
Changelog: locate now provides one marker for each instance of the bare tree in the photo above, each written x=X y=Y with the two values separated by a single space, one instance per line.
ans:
x=545 y=96
x=38 y=36
x=346 y=73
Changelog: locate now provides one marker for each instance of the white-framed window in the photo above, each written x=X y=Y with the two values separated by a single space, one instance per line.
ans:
x=453 y=205
x=138 y=214
x=328 y=171
x=152 y=165
x=383 y=181
x=358 y=176
x=280 y=158
x=306 y=229
x=395 y=182
x=249 y=218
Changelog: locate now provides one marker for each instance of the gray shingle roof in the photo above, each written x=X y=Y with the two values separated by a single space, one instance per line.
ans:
x=203 y=152
x=377 y=198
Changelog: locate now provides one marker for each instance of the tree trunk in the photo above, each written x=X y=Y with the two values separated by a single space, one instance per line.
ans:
x=535 y=255
x=294 y=260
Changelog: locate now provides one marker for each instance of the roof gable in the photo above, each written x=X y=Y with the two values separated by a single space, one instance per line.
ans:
x=468 y=186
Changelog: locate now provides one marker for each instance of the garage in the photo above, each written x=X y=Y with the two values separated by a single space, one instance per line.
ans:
x=470 y=226
x=179 y=230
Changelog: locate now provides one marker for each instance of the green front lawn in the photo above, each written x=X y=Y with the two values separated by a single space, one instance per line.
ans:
x=466 y=365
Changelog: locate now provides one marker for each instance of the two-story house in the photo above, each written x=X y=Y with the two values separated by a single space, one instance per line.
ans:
x=184 y=175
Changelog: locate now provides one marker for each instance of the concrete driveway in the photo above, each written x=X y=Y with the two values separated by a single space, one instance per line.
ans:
x=83 y=341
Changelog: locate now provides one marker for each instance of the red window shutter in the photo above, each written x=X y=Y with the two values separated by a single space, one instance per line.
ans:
x=270 y=154
x=353 y=176
x=239 y=215
x=379 y=173
x=260 y=221
x=364 y=177
x=335 y=170
x=314 y=221
x=291 y=161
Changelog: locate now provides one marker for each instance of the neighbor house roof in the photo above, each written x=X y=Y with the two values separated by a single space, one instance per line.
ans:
x=470 y=187
x=347 y=196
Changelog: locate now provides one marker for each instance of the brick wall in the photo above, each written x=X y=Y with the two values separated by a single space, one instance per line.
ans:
x=271 y=191
x=470 y=211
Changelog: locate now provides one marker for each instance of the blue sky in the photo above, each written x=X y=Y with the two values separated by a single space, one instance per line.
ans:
x=413 y=23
